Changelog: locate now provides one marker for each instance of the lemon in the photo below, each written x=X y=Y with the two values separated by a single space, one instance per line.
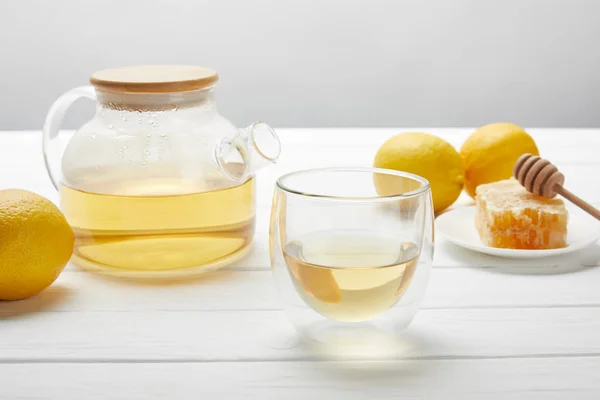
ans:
x=36 y=243
x=428 y=156
x=491 y=151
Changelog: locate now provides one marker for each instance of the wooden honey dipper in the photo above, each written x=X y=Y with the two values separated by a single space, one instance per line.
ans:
x=542 y=178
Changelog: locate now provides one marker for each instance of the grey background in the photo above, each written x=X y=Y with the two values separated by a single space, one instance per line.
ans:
x=320 y=62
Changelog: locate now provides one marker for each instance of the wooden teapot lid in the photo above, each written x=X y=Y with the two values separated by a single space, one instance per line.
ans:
x=154 y=79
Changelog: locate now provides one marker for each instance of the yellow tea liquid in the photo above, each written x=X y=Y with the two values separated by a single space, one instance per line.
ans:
x=147 y=228
x=351 y=276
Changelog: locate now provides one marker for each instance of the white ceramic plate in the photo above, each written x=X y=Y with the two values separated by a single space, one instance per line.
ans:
x=458 y=227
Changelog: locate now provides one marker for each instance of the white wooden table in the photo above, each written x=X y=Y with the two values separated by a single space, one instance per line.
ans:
x=489 y=327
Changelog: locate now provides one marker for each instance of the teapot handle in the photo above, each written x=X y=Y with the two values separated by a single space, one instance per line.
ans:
x=53 y=153
x=253 y=148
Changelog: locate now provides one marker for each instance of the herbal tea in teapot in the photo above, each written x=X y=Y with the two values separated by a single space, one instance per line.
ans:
x=143 y=229
x=158 y=184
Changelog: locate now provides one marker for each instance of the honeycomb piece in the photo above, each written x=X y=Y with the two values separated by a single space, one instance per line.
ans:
x=508 y=216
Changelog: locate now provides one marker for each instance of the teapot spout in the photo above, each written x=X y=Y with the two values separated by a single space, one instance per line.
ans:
x=252 y=149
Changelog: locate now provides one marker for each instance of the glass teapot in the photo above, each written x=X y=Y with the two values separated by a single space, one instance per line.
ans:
x=157 y=184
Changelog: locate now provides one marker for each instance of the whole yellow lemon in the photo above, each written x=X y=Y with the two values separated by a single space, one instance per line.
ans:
x=428 y=156
x=36 y=243
x=491 y=151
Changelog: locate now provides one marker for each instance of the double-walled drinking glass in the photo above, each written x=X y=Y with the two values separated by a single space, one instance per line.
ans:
x=351 y=250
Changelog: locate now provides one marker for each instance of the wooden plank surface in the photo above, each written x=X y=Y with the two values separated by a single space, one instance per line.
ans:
x=449 y=288
x=499 y=379
x=266 y=335
x=489 y=327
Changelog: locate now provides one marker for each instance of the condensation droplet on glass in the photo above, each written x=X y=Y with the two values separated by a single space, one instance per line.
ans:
x=93 y=135
x=149 y=135
x=124 y=118
x=145 y=162
x=110 y=126
x=150 y=121
x=115 y=141
x=163 y=135
x=128 y=161
x=147 y=152
x=96 y=167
